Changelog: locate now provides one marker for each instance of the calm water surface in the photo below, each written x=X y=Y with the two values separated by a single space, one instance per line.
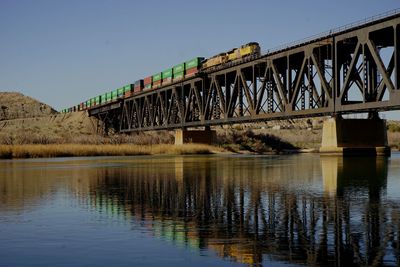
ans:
x=200 y=211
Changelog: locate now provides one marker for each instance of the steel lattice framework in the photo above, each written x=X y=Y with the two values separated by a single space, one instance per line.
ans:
x=356 y=69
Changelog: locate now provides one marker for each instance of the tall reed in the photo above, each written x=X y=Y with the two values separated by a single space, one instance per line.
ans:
x=75 y=150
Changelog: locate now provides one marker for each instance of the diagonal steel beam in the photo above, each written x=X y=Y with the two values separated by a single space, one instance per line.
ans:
x=380 y=65
x=345 y=88
x=247 y=93
x=382 y=87
x=221 y=95
x=261 y=92
x=187 y=104
x=324 y=83
x=281 y=88
x=179 y=102
x=199 y=101
x=298 y=80
x=208 y=98
x=162 y=106
x=232 y=100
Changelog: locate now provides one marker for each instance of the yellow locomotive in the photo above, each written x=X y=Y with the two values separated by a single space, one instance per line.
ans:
x=250 y=49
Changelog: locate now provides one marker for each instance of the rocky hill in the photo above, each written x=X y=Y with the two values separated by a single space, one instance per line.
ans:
x=54 y=128
x=15 y=105
x=26 y=120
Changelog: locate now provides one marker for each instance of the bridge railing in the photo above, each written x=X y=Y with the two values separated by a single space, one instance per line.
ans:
x=332 y=32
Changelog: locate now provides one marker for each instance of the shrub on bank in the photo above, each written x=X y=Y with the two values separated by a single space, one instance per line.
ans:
x=234 y=140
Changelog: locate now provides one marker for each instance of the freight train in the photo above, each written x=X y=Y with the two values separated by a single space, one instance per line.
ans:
x=176 y=73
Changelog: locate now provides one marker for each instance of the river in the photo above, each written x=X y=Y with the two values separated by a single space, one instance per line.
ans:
x=229 y=210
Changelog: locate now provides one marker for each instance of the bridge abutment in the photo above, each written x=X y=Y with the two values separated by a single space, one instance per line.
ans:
x=183 y=136
x=355 y=137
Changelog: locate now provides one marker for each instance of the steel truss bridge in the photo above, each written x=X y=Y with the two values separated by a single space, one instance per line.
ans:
x=352 y=69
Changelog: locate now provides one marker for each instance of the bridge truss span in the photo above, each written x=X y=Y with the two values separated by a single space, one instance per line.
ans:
x=356 y=70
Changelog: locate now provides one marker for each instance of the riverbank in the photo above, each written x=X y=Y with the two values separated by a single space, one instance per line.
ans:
x=37 y=130
x=77 y=150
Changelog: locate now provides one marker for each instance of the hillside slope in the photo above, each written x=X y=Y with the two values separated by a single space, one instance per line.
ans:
x=24 y=119
x=55 y=128
x=15 y=105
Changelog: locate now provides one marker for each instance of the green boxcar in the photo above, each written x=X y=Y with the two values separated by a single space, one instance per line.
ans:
x=179 y=68
x=167 y=73
x=88 y=103
x=179 y=75
x=92 y=101
x=103 y=98
x=193 y=63
x=114 y=94
x=127 y=88
x=98 y=100
x=157 y=77
x=120 y=91
x=108 y=96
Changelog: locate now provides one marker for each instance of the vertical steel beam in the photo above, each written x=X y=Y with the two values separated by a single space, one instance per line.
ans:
x=336 y=73
x=254 y=80
x=397 y=55
x=364 y=72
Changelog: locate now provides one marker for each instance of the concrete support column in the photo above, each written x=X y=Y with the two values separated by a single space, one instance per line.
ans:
x=206 y=136
x=355 y=136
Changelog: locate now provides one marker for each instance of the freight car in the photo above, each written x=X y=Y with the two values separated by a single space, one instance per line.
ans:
x=176 y=73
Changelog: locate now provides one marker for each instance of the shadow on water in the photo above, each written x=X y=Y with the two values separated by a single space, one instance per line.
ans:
x=300 y=210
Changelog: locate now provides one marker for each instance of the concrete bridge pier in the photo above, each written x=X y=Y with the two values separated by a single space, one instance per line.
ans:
x=184 y=136
x=355 y=136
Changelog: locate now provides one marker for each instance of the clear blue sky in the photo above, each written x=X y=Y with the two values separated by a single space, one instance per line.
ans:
x=63 y=52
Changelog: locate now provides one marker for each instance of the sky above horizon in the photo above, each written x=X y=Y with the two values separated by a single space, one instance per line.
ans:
x=64 y=52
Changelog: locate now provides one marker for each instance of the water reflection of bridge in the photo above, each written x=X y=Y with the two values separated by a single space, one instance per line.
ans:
x=245 y=210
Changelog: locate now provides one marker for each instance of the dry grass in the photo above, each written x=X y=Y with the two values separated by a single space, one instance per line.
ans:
x=74 y=150
x=394 y=139
x=26 y=138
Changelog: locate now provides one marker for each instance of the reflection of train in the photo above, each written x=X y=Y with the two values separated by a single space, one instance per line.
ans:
x=176 y=73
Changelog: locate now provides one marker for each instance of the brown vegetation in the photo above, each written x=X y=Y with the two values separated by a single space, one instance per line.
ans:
x=234 y=140
x=74 y=150
x=393 y=134
x=15 y=105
